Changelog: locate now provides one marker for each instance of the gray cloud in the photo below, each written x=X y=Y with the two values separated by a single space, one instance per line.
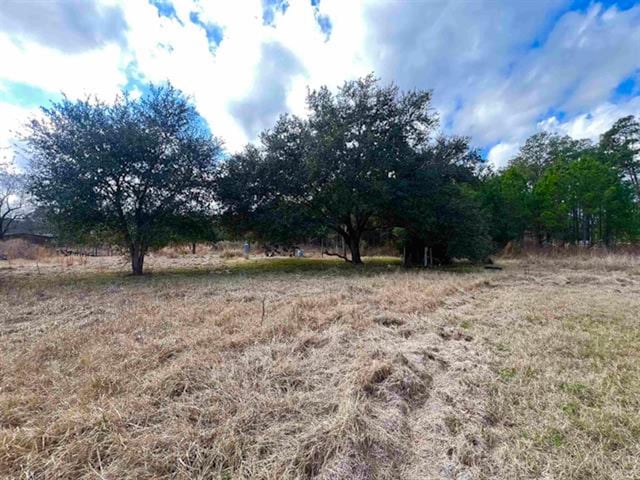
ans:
x=585 y=57
x=68 y=25
x=456 y=48
x=268 y=97
x=499 y=67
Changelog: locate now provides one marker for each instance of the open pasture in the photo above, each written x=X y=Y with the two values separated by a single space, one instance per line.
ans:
x=312 y=368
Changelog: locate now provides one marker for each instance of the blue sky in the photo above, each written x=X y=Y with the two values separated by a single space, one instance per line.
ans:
x=499 y=70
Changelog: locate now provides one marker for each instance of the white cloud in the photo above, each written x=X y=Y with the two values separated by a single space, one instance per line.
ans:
x=235 y=73
x=501 y=153
x=585 y=57
x=488 y=82
x=465 y=51
x=594 y=123
x=12 y=118
x=498 y=68
x=98 y=72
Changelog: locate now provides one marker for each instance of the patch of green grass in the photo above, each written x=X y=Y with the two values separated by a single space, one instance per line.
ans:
x=570 y=408
x=573 y=388
x=294 y=265
x=236 y=266
x=576 y=410
x=555 y=438
x=507 y=373
x=255 y=266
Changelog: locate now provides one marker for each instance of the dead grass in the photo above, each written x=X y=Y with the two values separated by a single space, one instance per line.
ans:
x=17 y=248
x=567 y=402
x=290 y=368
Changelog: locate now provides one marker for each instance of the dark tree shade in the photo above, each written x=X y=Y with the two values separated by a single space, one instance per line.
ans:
x=124 y=170
x=191 y=229
x=262 y=190
x=433 y=201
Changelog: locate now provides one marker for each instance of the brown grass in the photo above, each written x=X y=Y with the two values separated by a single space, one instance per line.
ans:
x=290 y=368
x=17 y=248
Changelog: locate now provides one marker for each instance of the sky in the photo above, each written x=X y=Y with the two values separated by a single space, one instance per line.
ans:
x=499 y=70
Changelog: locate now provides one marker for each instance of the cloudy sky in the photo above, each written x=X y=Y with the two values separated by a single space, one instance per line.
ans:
x=499 y=70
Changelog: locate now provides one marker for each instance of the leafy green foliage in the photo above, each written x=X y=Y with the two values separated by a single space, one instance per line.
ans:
x=621 y=143
x=364 y=160
x=542 y=149
x=262 y=190
x=122 y=171
x=585 y=201
x=433 y=200
x=508 y=200
x=565 y=190
x=330 y=172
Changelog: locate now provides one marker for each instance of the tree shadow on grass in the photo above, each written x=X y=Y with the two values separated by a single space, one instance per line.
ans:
x=236 y=268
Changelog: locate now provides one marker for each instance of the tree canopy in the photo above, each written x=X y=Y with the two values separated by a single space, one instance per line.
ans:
x=348 y=169
x=621 y=143
x=432 y=199
x=123 y=170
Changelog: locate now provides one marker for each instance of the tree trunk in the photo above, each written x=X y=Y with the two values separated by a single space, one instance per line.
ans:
x=137 y=258
x=193 y=248
x=354 y=246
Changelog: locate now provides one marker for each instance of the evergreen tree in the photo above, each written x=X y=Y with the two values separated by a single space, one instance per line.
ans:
x=124 y=170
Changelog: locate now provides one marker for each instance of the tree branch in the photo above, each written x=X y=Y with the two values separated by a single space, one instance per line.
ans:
x=329 y=254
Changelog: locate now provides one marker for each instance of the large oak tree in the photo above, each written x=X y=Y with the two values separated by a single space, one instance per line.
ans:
x=123 y=170
x=433 y=201
x=330 y=171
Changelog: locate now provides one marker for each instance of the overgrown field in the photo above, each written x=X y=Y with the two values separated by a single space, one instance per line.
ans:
x=309 y=368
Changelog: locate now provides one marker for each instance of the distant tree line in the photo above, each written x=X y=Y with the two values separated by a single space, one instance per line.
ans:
x=146 y=172
x=562 y=190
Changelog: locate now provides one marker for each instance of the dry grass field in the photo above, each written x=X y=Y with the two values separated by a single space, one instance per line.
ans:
x=308 y=368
